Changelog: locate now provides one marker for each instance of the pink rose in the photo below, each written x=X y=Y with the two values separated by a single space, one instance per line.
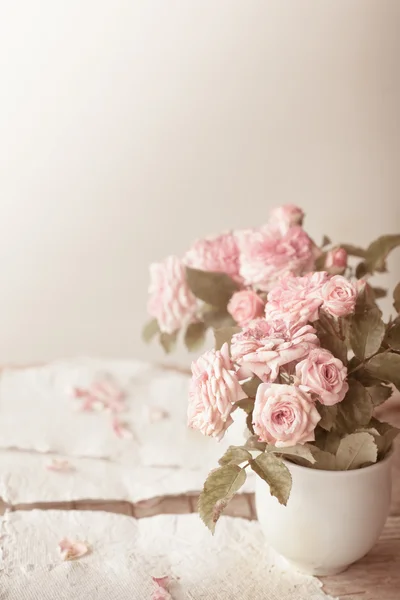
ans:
x=339 y=296
x=171 y=302
x=283 y=217
x=266 y=256
x=284 y=415
x=244 y=306
x=323 y=374
x=336 y=261
x=267 y=345
x=219 y=255
x=299 y=298
x=214 y=389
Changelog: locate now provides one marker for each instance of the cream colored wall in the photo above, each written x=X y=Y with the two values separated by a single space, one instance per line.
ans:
x=129 y=128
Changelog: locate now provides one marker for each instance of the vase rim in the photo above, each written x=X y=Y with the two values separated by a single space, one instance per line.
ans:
x=342 y=472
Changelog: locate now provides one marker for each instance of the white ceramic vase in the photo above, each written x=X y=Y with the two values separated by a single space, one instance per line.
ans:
x=332 y=518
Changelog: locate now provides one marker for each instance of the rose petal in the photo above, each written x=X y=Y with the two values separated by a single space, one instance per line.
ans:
x=61 y=466
x=161 y=592
x=121 y=429
x=72 y=549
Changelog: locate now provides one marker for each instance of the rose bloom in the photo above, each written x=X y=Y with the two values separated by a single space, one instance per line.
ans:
x=297 y=297
x=323 y=374
x=171 y=302
x=336 y=261
x=286 y=216
x=245 y=306
x=339 y=296
x=219 y=255
x=266 y=256
x=284 y=415
x=214 y=388
x=265 y=346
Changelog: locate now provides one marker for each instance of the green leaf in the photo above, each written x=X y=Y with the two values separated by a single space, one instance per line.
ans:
x=214 y=288
x=387 y=435
x=328 y=415
x=386 y=367
x=396 y=298
x=379 y=393
x=354 y=250
x=379 y=292
x=320 y=262
x=249 y=422
x=326 y=240
x=253 y=443
x=355 y=410
x=235 y=455
x=356 y=450
x=300 y=451
x=324 y=460
x=216 y=317
x=332 y=442
x=366 y=333
x=195 y=335
x=361 y=270
x=275 y=473
x=150 y=330
x=250 y=387
x=219 y=488
x=378 y=251
x=168 y=341
x=224 y=335
x=332 y=342
x=247 y=404
x=393 y=336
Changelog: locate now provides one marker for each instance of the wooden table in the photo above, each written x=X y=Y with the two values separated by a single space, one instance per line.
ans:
x=375 y=577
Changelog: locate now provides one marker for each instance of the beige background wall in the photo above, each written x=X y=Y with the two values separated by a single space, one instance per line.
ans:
x=129 y=128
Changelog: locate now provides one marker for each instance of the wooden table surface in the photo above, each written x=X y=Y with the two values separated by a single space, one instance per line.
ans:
x=375 y=577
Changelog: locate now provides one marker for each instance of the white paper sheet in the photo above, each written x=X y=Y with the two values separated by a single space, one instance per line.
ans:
x=38 y=415
x=126 y=553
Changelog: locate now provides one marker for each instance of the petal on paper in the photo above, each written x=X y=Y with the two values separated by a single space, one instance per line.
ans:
x=72 y=549
x=121 y=429
x=161 y=592
x=61 y=466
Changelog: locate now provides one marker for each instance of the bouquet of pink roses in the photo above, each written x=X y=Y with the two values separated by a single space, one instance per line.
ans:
x=301 y=347
x=224 y=280
x=309 y=374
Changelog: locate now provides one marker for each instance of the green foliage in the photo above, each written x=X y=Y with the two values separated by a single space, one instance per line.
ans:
x=356 y=450
x=168 y=341
x=273 y=470
x=250 y=387
x=150 y=330
x=298 y=453
x=235 y=455
x=328 y=415
x=379 y=393
x=367 y=331
x=396 y=298
x=195 y=335
x=219 y=488
x=215 y=289
x=355 y=410
x=385 y=367
x=393 y=335
x=224 y=335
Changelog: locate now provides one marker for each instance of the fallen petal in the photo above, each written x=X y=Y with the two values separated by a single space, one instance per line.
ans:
x=121 y=429
x=72 y=549
x=61 y=466
x=161 y=592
